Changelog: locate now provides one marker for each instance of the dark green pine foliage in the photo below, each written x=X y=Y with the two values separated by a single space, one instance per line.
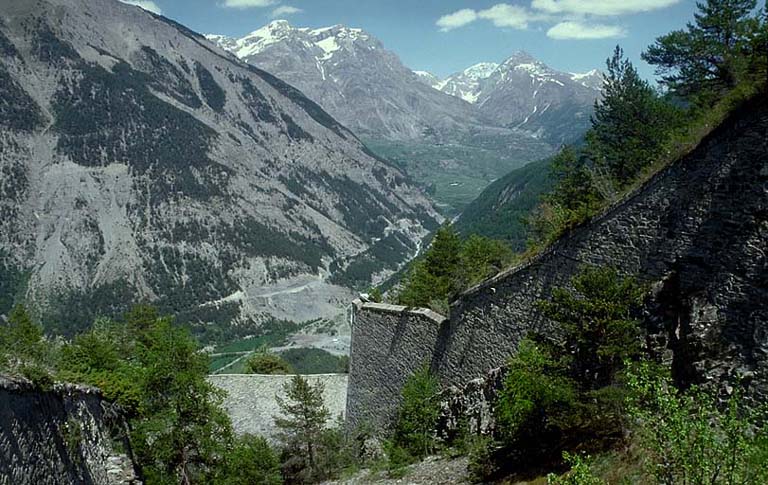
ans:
x=301 y=425
x=450 y=266
x=630 y=124
x=599 y=319
x=433 y=277
x=414 y=430
x=563 y=392
x=711 y=55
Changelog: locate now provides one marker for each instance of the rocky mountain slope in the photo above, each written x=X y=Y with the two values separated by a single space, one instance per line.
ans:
x=349 y=73
x=525 y=93
x=139 y=161
x=444 y=142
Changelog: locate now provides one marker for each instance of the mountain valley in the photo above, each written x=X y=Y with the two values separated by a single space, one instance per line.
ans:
x=453 y=136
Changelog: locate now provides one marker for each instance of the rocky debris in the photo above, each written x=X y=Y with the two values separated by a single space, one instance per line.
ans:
x=432 y=471
x=469 y=409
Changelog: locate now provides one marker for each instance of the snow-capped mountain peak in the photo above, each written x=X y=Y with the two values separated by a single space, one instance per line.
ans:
x=592 y=79
x=323 y=41
x=481 y=70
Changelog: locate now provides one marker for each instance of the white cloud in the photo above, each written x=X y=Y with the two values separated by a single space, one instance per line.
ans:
x=145 y=4
x=284 y=11
x=501 y=15
x=580 y=31
x=504 y=15
x=242 y=4
x=600 y=7
x=456 y=19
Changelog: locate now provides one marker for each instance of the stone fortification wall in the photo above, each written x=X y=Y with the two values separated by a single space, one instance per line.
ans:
x=250 y=401
x=389 y=343
x=697 y=232
x=61 y=436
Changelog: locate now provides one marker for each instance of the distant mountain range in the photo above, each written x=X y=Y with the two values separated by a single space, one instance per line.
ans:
x=350 y=73
x=140 y=162
x=454 y=135
x=525 y=93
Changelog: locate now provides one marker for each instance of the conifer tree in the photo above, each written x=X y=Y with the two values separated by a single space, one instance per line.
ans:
x=302 y=424
x=630 y=123
x=711 y=55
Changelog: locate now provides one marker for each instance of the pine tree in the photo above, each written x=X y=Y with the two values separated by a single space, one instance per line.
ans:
x=630 y=123
x=435 y=276
x=712 y=54
x=302 y=423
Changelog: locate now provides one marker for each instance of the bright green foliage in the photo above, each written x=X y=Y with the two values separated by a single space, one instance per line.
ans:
x=155 y=370
x=251 y=461
x=105 y=357
x=481 y=258
x=537 y=400
x=265 y=362
x=414 y=429
x=182 y=431
x=629 y=127
x=710 y=56
x=691 y=438
x=24 y=351
x=375 y=295
x=573 y=176
x=597 y=317
x=451 y=265
x=580 y=473
x=301 y=425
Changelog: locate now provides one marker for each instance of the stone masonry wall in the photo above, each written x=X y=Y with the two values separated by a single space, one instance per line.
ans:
x=389 y=343
x=251 y=405
x=62 y=436
x=697 y=232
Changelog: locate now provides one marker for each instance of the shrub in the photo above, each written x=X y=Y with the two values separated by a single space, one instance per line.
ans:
x=250 y=461
x=580 y=473
x=414 y=430
x=691 y=437
x=264 y=362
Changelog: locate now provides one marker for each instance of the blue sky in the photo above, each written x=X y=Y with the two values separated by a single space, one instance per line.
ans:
x=445 y=36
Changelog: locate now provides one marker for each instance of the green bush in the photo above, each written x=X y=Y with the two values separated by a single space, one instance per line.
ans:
x=693 y=438
x=580 y=473
x=251 y=461
x=264 y=362
x=414 y=430
x=563 y=393
x=450 y=266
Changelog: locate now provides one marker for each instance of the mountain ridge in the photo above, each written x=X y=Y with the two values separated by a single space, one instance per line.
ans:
x=153 y=166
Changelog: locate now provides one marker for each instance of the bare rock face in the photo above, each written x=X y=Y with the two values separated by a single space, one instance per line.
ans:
x=140 y=162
